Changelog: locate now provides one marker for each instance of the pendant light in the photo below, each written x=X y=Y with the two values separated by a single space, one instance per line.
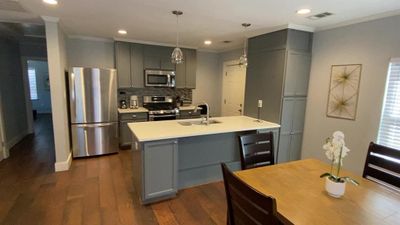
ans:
x=177 y=55
x=243 y=58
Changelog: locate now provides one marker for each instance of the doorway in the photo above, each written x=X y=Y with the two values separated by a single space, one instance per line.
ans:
x=233 y=85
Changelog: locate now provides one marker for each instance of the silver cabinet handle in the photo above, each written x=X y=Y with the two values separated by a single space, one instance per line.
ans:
x=134 y=116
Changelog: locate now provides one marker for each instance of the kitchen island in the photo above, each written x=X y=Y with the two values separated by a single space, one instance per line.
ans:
x=175 y=154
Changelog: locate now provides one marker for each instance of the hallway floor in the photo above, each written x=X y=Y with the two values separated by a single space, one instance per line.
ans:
x=96 y=190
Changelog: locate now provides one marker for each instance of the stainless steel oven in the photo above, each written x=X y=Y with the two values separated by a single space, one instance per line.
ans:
x=159 y=78
x=160 y=107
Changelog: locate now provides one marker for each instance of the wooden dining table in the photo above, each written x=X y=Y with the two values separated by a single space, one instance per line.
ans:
x=302 y=200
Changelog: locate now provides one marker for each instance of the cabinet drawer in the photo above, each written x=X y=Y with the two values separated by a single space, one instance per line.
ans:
x=133 y=116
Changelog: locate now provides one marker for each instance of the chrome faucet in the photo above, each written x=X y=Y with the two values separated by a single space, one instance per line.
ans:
x=207 y=121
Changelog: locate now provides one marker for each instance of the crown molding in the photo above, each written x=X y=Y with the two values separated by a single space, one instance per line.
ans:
x=50 y=19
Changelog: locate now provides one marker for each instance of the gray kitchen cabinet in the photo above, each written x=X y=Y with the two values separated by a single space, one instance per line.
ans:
x=123 y=64
x=186 y=72
x=137 y=73
x=297 y=73
x=125 y=135
x=278 y=73
x=129 y=64
x=191 y=67
x=160 y=168
x=158 y=57
x=293 y=115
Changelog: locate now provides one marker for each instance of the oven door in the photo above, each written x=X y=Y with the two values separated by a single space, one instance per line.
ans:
x=159 y=78
x=162 y=117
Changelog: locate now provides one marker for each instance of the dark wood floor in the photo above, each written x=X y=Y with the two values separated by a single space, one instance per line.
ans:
x=94 y=191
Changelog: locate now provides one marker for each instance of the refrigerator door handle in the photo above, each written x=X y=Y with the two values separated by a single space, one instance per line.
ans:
x=93 y=125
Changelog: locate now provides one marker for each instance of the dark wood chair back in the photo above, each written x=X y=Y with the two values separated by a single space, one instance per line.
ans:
x=247 y=206
x=383 y=165
x=256 y=150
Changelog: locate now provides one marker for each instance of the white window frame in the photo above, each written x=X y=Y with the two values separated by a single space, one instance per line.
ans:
x=33 y=90
x=389 y=126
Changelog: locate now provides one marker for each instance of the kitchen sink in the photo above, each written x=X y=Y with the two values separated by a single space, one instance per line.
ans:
x=198 y=122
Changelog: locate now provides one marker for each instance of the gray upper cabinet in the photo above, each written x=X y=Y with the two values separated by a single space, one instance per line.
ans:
x=129 y=64
x=186 y=72
x=131 y=59
x=137 y=72
x=297 y=73
x=123 y=64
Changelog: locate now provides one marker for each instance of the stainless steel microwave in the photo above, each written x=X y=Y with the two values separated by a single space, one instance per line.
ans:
x=159 y=78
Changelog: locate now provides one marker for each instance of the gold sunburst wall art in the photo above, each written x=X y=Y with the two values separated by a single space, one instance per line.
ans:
x=343 y=91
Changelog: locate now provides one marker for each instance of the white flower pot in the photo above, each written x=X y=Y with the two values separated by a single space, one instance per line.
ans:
x=335 y=189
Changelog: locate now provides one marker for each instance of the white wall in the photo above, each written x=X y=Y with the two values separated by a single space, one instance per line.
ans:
x=90 y=53
x=208 y=81
x=57 y=61
x=12 y=93
x=43 y=103
x=371 y=44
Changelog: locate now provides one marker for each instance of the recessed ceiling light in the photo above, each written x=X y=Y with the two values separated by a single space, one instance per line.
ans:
x=303 y=11
x=123 y=32
x=51 y=2
x=207 y=42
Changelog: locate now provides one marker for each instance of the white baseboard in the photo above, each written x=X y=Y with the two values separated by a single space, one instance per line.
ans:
x=64 y=165
x=1 y=155
x=9 y=144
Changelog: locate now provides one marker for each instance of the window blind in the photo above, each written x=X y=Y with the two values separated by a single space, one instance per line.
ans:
x=389 y=129
x=32 y=84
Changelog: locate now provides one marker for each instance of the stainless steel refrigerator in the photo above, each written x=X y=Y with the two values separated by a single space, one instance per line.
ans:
x=93 y=111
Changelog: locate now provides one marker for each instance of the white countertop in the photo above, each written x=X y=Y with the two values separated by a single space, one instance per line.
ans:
x=128 y=110
x=169 y=129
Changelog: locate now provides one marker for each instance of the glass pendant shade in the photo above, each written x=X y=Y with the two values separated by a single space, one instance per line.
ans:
x=243 y=60
x=177 y=56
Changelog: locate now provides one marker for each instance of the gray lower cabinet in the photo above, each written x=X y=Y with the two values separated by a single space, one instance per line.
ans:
x=125 y=134
x=160 y=168
x=291 y=128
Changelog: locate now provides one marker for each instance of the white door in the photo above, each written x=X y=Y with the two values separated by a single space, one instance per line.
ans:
x=233 y=84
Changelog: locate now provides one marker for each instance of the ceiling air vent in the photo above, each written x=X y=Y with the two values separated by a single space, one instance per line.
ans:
x=320 y=16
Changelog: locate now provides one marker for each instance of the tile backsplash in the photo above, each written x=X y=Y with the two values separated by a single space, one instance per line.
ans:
x=125 y=93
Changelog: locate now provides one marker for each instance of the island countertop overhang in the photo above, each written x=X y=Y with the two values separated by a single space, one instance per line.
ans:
x=170 y=129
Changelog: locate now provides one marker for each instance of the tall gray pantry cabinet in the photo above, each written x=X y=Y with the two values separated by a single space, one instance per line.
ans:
x=278 y=73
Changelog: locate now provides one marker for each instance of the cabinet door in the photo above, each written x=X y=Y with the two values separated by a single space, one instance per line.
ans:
x=123 y=64
x=152 y=62
x=137 y=74
x=125 y=135
x=299 y=113
x=160 y=168
x=295 y=146
x=180 y=78
x=165 y=57
x=297 y=74
x=286 y=129
x=191 y=68
x=283 y=154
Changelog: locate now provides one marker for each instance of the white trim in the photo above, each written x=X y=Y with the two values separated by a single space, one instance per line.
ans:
x=9 y=144
x=152 y=43
x=89 y=38
x=360 y=20
x=300 y=27
x=51 y=19
x=64 y=165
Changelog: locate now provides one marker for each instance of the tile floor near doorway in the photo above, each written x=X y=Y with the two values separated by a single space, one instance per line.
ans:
x=94 y=191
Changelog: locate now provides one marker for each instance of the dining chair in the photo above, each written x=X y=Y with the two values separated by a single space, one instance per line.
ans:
x=256 y=150
x=383 y=166
x=246 y=205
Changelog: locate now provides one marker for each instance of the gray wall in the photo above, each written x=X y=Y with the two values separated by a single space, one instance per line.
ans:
x=12 y=92
x=90 y=53
x=372 y=44
x=43 y=103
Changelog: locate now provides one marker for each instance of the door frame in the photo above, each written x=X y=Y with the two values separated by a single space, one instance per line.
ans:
x=234 y=62
x=28 y=105
x=4 y=153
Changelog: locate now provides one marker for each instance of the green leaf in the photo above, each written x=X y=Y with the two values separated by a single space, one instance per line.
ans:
x=325 y=175
x=351 y=180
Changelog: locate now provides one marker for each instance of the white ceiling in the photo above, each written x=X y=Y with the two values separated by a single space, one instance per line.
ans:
x=217 y=20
